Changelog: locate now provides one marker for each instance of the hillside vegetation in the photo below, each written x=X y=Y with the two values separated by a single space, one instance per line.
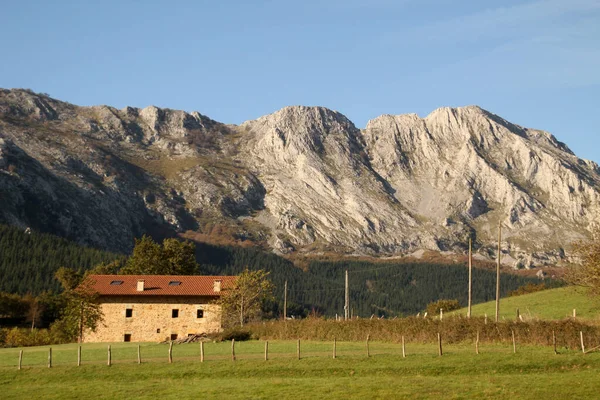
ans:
x=547 y=304
x=28 y=263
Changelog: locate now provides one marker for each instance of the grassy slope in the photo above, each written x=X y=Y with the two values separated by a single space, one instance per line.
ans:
x=547 y=304
x=534 y=372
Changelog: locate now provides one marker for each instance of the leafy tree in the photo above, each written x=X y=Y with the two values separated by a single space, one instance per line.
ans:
x=243 y=302
x=173 y=257
x=81 y=307
x=587 y=274
x=68 y=278
x=111 y=268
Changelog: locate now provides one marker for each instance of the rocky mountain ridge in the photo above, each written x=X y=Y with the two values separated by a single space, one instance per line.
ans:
x=302 y=179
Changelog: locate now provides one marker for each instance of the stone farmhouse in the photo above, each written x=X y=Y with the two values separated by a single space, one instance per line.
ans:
x=152 y=308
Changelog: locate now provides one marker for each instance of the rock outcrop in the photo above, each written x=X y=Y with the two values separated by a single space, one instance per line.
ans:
x=301 y=179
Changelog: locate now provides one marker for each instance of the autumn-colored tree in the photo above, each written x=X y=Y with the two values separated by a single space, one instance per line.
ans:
x=586 y=274
x=82 y=309
x=173 y=257
x=243 y=302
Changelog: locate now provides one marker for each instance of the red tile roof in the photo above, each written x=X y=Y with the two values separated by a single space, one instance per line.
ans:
x=158 y=285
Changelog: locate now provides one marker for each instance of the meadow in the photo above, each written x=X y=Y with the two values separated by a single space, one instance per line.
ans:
x=532 y=372
x=549 y=304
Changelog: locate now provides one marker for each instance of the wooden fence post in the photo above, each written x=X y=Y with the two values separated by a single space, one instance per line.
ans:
x=78 y=356
x=368 y=353
x=582 y=345
x=266 y=350
x=554 y=341
x=170 y=352
x=485 y=320
x=403 y=348
x=109 y=359
x=440 y=344
x=334 y=347
x=574 y=313
x=50 y=357
x=298 y=348
x=20 y=359
x=201 y=351
x=512 y=332
x=139 y=355
x=477 y=343
x=232 y=349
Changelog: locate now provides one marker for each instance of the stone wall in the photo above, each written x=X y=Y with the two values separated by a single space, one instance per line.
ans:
x=152 y=318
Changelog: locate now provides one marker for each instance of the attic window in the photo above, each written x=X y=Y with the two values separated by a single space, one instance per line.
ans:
x=174 y=283
x=116 y=283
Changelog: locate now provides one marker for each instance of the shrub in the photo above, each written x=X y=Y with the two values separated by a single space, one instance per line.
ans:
x=529 y=288
x=446 y=305
x=238 y=334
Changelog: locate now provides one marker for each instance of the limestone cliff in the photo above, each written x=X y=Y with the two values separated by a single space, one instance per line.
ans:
x=301 y=179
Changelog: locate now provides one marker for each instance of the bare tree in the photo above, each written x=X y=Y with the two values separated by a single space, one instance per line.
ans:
x=587 y=274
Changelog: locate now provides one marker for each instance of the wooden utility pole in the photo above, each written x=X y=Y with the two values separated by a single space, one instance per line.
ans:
x=470 y=279
x=285 y=301
x=498 y=273
x=346 y=299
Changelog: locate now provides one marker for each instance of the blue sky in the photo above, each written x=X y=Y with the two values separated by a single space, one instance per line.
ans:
x=535 y=63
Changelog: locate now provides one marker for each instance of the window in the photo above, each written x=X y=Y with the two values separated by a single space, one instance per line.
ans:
x=174 y=283
x=199 y=313
x=129 y=313
x=127 y=337
x=175 y=313
x=116 y=283
x=173 y=336
x=158 y=330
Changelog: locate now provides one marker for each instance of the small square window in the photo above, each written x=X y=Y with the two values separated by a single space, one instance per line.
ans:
x=199 y=313
x=174 y=283
x=175 y=313
x=173 y=336
x=158 y=330
x=127 y=337
x=116 y=283
x=129 y=313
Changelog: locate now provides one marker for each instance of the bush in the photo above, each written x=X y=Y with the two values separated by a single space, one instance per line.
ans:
x=446 y=305
x=529 y=288
x=21 y=337
x=454 y=329
x=238 y=334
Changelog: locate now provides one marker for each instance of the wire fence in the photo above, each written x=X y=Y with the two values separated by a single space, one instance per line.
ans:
x=144 y=353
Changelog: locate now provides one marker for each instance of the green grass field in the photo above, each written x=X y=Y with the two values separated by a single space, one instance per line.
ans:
x=496 y=373
x=547 y=304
